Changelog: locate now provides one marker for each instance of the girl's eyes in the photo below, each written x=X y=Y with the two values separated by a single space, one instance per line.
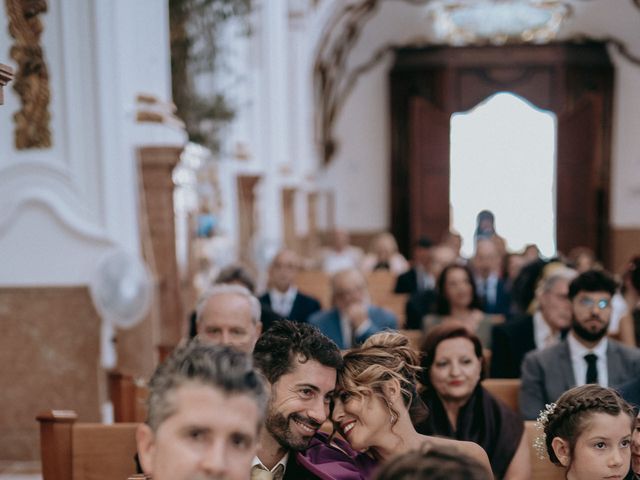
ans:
x=625 y=443
x=600 y=445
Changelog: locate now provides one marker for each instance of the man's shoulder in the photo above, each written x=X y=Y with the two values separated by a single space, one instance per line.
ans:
x=547 y=355
x=323 y=316
x=630 y=353
x=516 y=326
x=306 y=298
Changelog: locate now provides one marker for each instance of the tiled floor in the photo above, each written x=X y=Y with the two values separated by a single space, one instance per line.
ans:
x=20 y=471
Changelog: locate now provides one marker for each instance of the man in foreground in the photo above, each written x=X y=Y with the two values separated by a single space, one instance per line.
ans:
x=205 y=410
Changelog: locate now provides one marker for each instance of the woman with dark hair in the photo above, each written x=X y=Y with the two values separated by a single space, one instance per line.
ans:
x=461 y=408
x=457 y=300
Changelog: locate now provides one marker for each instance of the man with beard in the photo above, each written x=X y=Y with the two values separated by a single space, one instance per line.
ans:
x=585 y=356
x=300 y=366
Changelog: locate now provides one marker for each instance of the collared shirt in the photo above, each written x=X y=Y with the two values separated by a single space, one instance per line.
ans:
x=542 y=333
x=282 y=303
x=488 y=288
x=347 y=330
x=283 y=461
x=578 y=351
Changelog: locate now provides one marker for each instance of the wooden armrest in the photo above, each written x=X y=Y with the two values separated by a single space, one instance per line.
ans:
x=56 y=443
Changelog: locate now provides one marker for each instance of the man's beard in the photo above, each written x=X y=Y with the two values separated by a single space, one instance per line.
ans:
x=279 y=427
x=588 y=335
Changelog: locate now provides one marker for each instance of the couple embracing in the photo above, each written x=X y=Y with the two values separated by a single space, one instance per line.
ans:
x=369 y=394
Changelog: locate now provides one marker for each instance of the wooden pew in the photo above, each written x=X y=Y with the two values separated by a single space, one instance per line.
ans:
x=505 y=389
x=541 y=469
x=128 y=397
x=85 y=451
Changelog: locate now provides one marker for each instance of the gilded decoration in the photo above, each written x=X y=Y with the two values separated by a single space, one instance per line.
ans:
x=32 y=77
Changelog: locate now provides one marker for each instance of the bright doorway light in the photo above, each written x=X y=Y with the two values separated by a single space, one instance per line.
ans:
x=503 y=159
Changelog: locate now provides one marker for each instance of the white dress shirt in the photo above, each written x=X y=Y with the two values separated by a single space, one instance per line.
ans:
x=578 y=351
x=283 y=461
x=282 y=303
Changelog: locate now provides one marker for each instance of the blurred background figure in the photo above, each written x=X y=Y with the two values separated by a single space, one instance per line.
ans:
x=583 y=259
x=340 y=254
x=418 y=278
x=283 y=296
x=486 y=229
x=629 y=323
x=487 y=268
x=457 y=301
x=453 y=240
x=383 y=255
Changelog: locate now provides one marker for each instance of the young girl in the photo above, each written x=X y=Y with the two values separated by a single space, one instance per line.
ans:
x=588 y=432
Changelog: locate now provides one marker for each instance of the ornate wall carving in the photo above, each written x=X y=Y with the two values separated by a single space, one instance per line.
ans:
x=32 y=77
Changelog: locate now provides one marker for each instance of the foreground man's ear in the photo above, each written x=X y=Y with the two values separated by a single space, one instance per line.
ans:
x=145 y=440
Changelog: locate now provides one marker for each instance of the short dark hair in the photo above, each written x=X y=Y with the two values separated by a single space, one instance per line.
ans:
x=436 y=463
x=443 y=307
x=237 y=273
x=216 y=366
x=440 y=333
x=279 y=347
x=592 y=281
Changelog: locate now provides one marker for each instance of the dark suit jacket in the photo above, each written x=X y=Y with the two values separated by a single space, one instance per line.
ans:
x=418 y=305
x=303 y=306
x=407 y=282
x=329 y=323
x=548 y=373
x=502 y=305
x=630 y=391
x=295 y=471
x=510 y=342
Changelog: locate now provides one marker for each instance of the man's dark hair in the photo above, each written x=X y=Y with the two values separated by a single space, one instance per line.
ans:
x=279 y=347
x=592 y=281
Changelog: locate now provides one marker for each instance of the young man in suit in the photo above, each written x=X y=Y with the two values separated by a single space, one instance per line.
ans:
x=512 y=340
x=283 y=296
x=586 y=356
x=491 y=288
x=300 y=366
x=352 y=319
x=418 y=278
x=205 y=411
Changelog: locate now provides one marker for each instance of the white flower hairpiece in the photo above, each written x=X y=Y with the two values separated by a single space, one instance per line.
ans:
x=540 y=442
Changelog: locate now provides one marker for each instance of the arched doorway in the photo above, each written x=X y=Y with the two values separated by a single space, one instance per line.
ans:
x=428 y=85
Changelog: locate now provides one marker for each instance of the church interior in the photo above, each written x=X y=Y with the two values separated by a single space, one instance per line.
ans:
x=148 y=145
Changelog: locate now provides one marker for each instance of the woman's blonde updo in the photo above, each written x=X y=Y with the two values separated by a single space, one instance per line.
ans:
x=383 y=357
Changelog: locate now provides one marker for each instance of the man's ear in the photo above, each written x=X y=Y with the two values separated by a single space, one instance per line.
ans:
x=145 y=441
x=561 y=449
x=258 y=329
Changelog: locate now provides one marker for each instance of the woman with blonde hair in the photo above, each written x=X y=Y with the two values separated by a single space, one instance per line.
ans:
x=377 y=403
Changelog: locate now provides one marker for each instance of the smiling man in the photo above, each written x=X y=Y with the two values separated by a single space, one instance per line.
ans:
x=205 y=410
x=300 y=365
x=586 y=356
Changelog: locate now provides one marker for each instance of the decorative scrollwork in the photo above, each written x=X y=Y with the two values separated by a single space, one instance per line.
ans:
x=32 y=77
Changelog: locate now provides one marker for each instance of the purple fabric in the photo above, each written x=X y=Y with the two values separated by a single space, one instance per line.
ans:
x=335 y=460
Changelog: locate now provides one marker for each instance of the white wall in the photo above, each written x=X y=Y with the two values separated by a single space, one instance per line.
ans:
x=63 y=207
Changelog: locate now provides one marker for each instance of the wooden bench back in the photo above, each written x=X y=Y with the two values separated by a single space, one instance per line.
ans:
x=505 y=389
x=128 y=397
x=85 y=451
x=317 y=284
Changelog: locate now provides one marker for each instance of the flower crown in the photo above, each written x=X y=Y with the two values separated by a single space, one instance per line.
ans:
x=540 y=442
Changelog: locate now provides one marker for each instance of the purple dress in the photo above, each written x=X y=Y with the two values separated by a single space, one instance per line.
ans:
x=335 y=460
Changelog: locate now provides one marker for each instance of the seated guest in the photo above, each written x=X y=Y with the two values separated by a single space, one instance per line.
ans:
x=421 y=303
x=583 y=259
x=340 y=255
x=417 y=278
x=377 y=404
x=205 y=410
x=588 y=432
x=283 y=297
x=457 y=301
x=586 y=356
x=352 y=319
x=384 y=255
x=461 y=408
x=229 y=315
x=511 y=341
x=435 y=463
x=629 y=330
x=490 y=287
x=300 y=366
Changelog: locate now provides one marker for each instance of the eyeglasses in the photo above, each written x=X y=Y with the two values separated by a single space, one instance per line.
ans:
x=590 y=303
